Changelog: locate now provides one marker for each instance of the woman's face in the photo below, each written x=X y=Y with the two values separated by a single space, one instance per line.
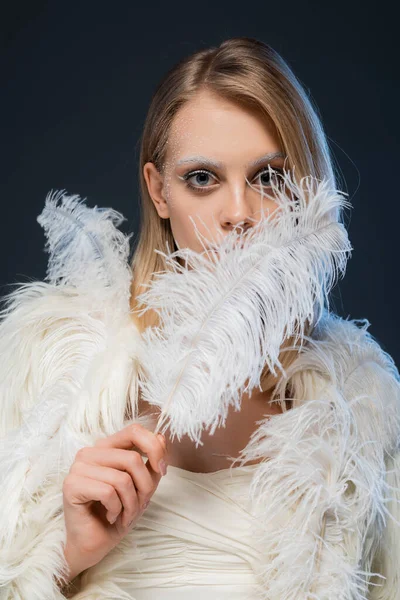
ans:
x=212 y=147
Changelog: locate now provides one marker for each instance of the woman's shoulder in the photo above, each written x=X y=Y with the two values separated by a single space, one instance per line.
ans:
x=346 y=345
x=359 y=372
x=51 y=337
x=40 y=305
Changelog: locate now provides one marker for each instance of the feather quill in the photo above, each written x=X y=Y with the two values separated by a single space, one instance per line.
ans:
x=225 y=312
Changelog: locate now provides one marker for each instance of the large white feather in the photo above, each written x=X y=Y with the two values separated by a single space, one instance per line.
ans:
x=224 y=315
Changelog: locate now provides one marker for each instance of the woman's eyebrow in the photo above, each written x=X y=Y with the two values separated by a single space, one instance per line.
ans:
x=219 y=165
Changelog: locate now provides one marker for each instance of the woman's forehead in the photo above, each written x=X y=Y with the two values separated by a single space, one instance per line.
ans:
x=220 y=135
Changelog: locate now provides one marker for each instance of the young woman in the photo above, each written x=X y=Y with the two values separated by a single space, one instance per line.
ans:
x=84 y=515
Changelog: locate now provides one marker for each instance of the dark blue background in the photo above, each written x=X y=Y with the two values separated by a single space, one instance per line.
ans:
x=77 y=79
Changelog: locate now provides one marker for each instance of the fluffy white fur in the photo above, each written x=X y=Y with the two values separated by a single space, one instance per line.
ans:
x=326 y=494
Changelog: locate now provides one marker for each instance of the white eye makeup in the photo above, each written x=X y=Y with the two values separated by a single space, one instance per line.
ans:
x=202 y=180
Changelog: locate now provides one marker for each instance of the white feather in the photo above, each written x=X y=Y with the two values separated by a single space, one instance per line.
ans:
x=319 y=493
x=224 y=315
x=86 y=249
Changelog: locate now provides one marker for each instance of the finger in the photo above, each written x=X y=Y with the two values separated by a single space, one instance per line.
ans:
x=120 y=480
x=155 y=477
x=137 y=435
x=123 y=460
x=163 y=441
x=80 y=490
x=145 y=479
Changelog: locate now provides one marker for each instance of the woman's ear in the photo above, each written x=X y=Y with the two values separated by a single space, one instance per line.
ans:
x=155 y=185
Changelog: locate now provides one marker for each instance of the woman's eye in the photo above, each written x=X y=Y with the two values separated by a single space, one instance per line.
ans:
x=264 y=177
x=198 y=179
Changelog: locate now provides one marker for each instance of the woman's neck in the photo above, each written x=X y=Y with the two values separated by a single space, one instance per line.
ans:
x=226 y=442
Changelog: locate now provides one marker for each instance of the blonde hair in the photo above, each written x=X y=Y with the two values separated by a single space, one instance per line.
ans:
x=251 y=74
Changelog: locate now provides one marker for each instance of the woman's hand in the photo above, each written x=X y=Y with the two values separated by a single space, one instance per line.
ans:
x=106 y=490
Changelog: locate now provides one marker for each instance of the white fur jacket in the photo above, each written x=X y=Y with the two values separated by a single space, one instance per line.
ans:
x=68 y=371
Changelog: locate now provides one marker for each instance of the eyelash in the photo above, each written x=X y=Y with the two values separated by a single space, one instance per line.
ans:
x=203 y=189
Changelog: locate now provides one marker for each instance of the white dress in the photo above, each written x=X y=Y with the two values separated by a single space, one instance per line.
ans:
x=195 y=538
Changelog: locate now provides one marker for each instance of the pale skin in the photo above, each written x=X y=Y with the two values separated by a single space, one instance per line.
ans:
x=109 y=484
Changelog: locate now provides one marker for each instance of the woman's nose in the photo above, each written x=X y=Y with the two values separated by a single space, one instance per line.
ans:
x=237 y=208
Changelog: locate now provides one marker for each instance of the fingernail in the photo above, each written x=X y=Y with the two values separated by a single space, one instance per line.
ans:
x=145 y=505
x=112 y=520
x=163 y=466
